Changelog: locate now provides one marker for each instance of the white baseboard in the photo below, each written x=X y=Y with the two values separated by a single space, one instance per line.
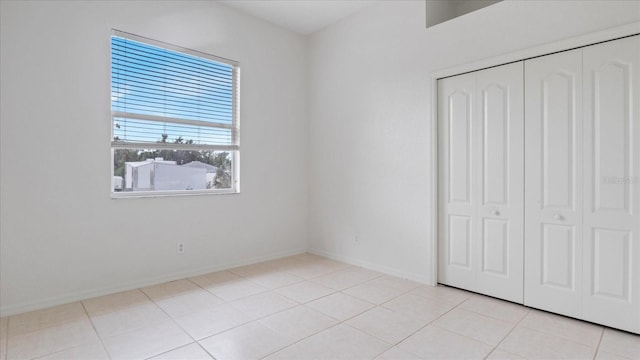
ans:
x=371 y=266
x=88 y=294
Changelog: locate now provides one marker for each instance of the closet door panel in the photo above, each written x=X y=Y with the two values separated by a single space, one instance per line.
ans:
x=612 y=183
x=611 y=262
x=557 y=107
x=558 y=257
x=500 y=159
x=553 y=196
x=460 y=152
x=495 y=248
x=457 y=197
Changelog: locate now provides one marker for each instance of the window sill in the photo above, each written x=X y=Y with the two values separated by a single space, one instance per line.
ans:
x=153 y=194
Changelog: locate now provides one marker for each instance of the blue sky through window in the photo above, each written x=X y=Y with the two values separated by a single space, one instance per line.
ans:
x=150 y=81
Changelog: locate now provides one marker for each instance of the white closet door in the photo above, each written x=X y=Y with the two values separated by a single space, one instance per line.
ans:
x=612 y=183
x=481 y=181
x=500 y=157
x=457 y=193
x=553 y=172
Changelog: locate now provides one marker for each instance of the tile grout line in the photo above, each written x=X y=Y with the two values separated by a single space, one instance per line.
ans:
x=180 y=347
x=430 y=323
x=64 y=321
x=340 y=322
x=509 y=333
x=402 y=292
x=244 y=323
x=391 y=346
x=332 y=271
x=528 y=312
x=561 y=336
x=484 y=316
x=267 y=289
x=350 y=286
x=380 y=306
x=178 y=325
x=410 y=291
x=274 y=290
x=300 y=340
x=95 y=330
x=197 y=341
x=595 y=354
x=384 y=308
x=344 y=322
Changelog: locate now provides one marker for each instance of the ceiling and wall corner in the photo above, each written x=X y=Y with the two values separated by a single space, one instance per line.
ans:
x=301 y=16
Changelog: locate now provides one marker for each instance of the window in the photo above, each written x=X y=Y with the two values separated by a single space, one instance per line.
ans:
x=174 y=117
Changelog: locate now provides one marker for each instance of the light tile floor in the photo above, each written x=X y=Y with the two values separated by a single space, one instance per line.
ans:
x=303 y=307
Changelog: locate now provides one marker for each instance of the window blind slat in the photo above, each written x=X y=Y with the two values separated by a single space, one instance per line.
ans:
x=149 y=67
x=167 y=57
x=177 y=86
x=121 y=45
x=134 y=89
x=144 y=67
x=158 y=108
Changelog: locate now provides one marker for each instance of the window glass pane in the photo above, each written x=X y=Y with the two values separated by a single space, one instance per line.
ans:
x=167 y=170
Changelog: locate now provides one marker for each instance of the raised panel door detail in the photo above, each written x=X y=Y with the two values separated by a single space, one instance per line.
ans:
x=495 y=247
x=456 y=167
x=612 y=119
x=459 y=147
x=558 y=140
x=460 y=241
x=558 y=256
x=611 y=263
x=495 y=140
x=611 y=225
x=499 y=156
x=553 y=182
x=480 y=129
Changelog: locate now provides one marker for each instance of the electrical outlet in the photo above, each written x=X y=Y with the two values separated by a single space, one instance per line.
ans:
x=180 y=248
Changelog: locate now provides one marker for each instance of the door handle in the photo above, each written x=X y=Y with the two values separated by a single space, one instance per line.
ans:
x=495 y=212
x=558 y=217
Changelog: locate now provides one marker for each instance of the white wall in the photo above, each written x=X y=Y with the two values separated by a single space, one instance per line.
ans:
x=370 y=115
x=362 y=123
x=63 y=240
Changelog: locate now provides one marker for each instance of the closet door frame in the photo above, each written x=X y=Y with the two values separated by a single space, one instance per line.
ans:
x=563 y=45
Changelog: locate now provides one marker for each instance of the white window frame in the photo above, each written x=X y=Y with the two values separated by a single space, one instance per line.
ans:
x=234 y=149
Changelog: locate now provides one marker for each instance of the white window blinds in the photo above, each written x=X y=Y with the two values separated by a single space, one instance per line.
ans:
x=166 y=96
